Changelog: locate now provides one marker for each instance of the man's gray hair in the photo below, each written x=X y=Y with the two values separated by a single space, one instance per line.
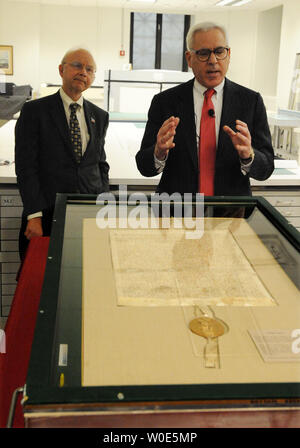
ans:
x=204 y=26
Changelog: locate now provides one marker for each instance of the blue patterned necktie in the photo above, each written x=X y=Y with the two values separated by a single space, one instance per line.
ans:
x=75 y=132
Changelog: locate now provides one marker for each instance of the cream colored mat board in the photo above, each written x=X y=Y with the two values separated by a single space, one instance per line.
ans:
x=136 y=345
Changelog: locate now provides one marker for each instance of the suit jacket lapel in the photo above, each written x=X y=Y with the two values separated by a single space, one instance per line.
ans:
x=228 y=116
x=58 y=115
x=187 y=116
x=91 y=125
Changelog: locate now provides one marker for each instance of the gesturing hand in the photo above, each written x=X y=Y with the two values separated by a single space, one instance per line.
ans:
x=241 y=139
x=165 y=137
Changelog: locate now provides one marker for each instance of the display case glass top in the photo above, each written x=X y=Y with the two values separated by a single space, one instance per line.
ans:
x=146 y=301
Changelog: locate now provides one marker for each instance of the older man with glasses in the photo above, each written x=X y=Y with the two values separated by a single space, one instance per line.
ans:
x=59 y=146
x=208 y=135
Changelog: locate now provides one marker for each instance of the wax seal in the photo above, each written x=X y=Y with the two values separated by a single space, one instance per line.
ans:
x=207 y=327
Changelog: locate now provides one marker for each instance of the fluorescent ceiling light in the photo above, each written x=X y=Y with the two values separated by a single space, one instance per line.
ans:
x=224 y=2
x=232 y=2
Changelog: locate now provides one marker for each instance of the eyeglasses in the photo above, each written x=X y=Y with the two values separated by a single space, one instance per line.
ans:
x=204 y=53
x=78 y=66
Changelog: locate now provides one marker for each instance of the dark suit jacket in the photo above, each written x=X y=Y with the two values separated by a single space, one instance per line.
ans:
x=45 y=161
x=181 y=171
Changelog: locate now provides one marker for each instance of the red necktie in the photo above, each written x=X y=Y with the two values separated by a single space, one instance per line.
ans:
x=207 y=146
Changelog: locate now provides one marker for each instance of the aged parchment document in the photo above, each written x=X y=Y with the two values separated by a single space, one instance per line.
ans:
x=160 y=267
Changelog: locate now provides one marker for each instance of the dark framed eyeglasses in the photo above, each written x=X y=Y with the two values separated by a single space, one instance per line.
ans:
x=204 y=53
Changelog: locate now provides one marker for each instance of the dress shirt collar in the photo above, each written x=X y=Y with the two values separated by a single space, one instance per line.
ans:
x=201 y=89
x=67 y=100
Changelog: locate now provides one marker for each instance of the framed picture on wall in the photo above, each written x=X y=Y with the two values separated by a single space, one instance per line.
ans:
x=6 y=59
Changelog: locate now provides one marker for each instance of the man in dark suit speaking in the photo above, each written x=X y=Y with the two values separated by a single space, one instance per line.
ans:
x=207 y=135
x=59 y=146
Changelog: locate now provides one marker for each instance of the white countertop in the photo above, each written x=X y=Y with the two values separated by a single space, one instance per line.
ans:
x=284 y=118
x=7 y=143
x=122 y=143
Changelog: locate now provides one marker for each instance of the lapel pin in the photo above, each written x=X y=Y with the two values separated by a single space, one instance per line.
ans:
x=93 y=120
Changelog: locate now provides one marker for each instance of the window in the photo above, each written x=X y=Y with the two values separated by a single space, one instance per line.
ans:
x=158 y=41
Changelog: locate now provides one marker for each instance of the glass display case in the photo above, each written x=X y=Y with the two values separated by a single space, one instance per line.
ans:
x=130 y=92
x=158 y=307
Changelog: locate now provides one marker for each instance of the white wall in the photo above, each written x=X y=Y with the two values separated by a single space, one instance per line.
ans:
x=42 y=33
x=98 y=29
x=289 y=46
x=20 y=27
x=267 y=51
x=46 y=32
x=64 y=27
x=241 y=28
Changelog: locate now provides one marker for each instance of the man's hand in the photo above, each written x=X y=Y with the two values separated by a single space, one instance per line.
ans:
x=34 y=228
x=165 y=137
x=241 y=140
